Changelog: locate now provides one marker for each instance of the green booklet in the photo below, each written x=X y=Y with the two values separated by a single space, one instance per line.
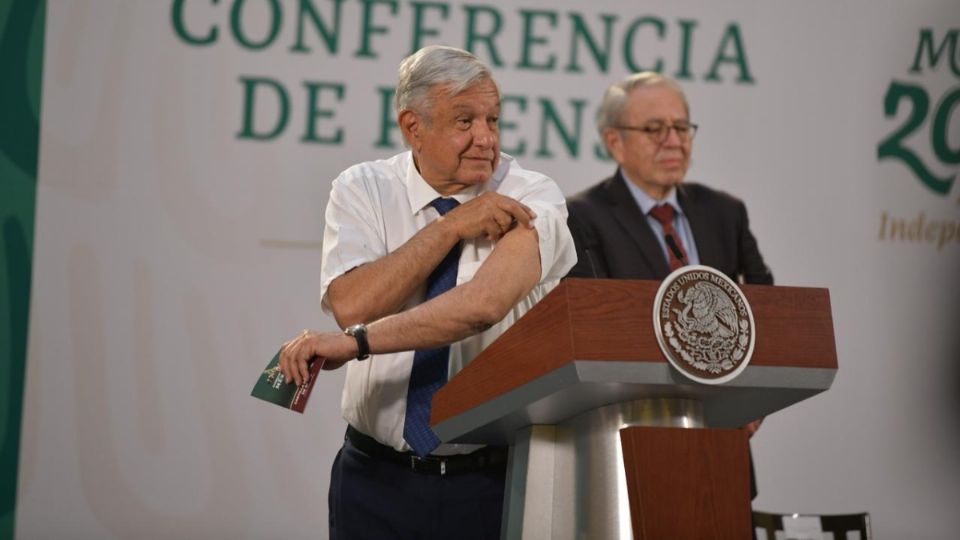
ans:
x=272 y=387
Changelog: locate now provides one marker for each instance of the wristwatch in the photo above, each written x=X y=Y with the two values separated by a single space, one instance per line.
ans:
x=359 y=332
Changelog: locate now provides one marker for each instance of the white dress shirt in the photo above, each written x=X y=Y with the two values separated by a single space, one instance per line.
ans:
x=377 y=206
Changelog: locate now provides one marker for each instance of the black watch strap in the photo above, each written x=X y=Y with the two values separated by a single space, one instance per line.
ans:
x=359 y=332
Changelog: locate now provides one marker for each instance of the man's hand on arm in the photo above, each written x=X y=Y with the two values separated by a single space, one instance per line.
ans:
x=380 y=288
x=490 y=215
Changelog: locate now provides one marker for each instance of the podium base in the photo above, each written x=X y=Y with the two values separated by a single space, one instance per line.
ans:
x=568 y=480
x=688 y=484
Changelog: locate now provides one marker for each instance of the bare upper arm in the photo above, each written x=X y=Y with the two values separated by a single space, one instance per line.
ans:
x=508 y=274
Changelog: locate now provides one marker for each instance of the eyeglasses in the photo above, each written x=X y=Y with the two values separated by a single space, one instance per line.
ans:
x=659 y=131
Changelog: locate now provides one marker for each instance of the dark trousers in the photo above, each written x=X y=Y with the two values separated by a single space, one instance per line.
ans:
x=377 y=500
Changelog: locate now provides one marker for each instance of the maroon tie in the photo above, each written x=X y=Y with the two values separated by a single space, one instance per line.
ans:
x=665 y=213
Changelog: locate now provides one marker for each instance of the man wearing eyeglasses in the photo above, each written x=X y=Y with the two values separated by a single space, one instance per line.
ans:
x=645 y=221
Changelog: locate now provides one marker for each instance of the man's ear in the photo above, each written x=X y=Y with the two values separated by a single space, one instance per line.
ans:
x=410 y=126
x=614 y=141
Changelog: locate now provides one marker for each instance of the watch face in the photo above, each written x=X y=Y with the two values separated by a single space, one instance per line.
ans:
x=359 y=332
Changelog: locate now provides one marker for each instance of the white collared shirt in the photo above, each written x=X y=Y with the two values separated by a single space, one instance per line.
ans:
x=377 y=206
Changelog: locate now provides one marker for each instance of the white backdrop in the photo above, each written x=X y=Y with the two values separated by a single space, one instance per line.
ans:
x=174 y=254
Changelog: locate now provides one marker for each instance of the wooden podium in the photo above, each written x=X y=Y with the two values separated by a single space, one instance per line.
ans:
x=590 y=407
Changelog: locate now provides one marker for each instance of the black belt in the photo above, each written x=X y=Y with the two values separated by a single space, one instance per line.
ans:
x=486 y=457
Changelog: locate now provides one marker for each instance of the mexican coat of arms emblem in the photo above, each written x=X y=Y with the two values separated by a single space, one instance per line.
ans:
x=704 y=324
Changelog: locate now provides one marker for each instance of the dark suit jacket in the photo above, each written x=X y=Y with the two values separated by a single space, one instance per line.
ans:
x=615 y=241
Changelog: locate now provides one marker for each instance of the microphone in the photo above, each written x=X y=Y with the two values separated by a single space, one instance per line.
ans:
x=588 y=239
x=593 y=265
x=672 y=244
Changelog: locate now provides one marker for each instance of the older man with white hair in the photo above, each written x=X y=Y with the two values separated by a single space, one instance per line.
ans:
x=428 y=257
x=647 y=220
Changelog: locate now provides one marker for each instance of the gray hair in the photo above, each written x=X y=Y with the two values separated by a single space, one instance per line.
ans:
x=614 y=102
x=436 y=65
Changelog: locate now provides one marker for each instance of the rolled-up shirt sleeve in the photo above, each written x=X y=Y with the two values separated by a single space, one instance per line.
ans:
x=351 y=236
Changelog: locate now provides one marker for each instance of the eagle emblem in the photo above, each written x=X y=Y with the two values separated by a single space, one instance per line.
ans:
x=704 y=324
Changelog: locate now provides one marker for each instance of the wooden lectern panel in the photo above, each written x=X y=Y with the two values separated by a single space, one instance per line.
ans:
x=613 y=319
x=688 y=483
x=605 y=320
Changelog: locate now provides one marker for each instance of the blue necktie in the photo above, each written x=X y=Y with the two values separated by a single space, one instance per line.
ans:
x=429 y=371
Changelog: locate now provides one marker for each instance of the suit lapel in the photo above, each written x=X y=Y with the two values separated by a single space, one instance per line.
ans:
x=702 y=227
x=634 y=223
